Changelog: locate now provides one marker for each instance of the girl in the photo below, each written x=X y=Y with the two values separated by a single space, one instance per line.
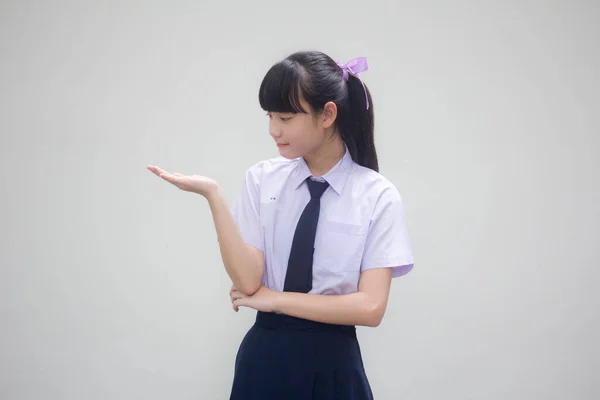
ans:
x=315 y=237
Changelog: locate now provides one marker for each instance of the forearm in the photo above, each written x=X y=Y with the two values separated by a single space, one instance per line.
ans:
x=349 y=309
x=242 y=266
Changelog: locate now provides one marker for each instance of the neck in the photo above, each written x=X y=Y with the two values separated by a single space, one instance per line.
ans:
x=326 y=156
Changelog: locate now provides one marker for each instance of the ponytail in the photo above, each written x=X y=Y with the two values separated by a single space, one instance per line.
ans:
x=356 y=125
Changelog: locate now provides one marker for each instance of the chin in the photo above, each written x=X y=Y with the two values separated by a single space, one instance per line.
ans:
x=287 y=153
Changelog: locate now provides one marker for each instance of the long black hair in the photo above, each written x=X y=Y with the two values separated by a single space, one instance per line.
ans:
x=316 y=78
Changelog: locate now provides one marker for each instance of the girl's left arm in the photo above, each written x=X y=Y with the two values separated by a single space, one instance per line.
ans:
x=365 y=307
x=387 y=243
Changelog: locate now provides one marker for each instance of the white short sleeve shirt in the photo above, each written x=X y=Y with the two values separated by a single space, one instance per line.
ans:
x=361 y=223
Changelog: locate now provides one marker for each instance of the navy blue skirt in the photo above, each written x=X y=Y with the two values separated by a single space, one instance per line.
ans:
x=288 y=358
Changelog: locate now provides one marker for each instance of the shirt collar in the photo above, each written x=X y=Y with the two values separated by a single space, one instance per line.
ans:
x=336 y=176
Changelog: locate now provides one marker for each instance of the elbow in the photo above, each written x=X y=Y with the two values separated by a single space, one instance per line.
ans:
x=374 y=314
x=253 y=280
x=249 y=288
x=249 y=285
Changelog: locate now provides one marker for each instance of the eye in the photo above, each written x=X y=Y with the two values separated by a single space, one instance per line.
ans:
x=284 y=119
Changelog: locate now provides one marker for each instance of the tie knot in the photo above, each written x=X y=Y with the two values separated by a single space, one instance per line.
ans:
x=316 y=188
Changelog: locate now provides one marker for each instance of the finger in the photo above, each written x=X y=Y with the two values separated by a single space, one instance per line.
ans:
x=238 y=303
x=177 y=174
x=154 y=169
x=172 y=178
x=243 y=302
x=237 y=295
x=175 y=180
x=235 y=308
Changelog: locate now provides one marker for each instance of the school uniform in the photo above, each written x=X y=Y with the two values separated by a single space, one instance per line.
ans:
x=360 y=226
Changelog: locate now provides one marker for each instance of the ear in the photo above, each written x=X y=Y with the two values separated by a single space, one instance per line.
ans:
x=329 y=114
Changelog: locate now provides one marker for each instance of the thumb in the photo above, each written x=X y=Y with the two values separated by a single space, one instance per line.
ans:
x=240 y=302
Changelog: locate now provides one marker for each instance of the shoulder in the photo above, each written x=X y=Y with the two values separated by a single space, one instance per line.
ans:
x=272 y=166
x=374 y=185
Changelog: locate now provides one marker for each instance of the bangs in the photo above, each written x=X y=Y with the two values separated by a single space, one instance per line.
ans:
x=280 y=88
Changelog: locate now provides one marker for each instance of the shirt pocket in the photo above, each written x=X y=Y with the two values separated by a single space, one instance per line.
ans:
x=340 y=247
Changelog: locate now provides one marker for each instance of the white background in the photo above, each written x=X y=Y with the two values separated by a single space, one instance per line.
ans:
x=487 y=121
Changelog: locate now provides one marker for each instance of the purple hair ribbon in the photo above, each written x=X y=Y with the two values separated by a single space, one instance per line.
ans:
x=355 y=67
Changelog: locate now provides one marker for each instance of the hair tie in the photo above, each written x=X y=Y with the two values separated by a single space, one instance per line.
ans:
x=355 y=67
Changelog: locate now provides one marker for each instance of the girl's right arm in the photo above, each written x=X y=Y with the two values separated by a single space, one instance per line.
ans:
x=244 y=263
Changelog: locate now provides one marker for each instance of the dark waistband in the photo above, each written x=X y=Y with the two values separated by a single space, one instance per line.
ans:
x=287 y=323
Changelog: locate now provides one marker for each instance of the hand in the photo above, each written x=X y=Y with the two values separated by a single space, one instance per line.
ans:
x=190 y=183
x=233 y=298
x=263 y=300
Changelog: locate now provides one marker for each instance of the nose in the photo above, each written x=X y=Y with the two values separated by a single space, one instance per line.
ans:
x=274 y=130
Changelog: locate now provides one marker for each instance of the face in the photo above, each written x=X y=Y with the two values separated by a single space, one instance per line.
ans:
x=298 y=135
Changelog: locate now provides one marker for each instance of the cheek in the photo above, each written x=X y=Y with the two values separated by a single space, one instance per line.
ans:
x=306 y=134
x=303 y=135
x=294 y=133
x=313 y=138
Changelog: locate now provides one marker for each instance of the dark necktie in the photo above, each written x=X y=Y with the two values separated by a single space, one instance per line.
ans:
x=299 y=274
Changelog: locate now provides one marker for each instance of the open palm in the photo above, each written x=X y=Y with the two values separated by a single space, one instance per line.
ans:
x=190 y=183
